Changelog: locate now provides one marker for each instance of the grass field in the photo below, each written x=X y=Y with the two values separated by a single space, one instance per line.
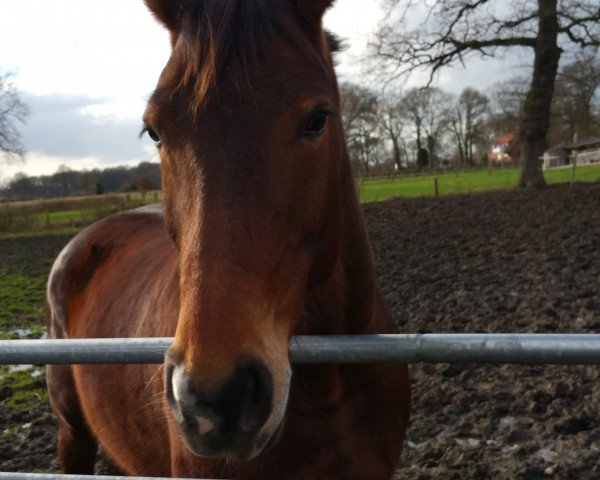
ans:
x=24 y=266
x=462 y=182
x=24 y=270
x=66 y=215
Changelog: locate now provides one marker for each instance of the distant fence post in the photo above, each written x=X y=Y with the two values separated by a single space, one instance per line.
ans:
x=435 y=187
x=573 y=170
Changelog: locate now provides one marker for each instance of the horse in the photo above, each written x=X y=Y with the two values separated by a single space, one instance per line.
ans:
x=259 y=237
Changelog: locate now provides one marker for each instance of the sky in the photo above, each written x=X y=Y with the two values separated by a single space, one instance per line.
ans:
x=87 y=67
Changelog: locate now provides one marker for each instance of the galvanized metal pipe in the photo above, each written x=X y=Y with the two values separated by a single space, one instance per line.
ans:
x=61 y=476
x=498 y=348
x=88 y=350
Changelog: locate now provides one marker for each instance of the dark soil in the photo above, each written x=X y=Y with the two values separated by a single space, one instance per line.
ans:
x=498 y=262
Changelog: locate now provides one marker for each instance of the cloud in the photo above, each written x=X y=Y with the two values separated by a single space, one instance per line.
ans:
x=64 y=126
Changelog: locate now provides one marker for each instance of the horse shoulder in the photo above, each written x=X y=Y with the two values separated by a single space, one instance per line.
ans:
x=81 y=258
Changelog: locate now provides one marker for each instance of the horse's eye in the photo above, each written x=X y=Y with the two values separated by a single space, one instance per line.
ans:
x=316 y=125
x=152 y=134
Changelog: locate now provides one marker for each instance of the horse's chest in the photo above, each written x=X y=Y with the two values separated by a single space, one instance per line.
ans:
x=130 y=422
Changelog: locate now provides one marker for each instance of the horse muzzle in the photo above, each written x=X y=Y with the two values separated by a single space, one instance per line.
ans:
x=236 y=420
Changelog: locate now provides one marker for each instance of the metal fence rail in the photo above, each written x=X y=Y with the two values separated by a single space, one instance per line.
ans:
x=498 y=348
x=407 y=348
x=61 y=476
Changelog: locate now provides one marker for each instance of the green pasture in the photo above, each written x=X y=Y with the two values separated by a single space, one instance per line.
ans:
x=64 y=215
x=24 y=266
x=22 y=295
x=588 y=174
x=23 y=274
x=67 y=215
x=71 y=217
x=470 y=181
x=22 y=388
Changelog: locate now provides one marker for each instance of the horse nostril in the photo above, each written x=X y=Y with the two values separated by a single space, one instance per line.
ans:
x=258 y=398
x=247 y=397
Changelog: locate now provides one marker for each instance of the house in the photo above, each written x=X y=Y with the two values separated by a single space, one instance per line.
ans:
x=503 y=149
x=580 y=153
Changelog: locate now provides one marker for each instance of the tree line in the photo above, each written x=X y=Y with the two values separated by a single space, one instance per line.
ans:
x=66 y=182
x=431 y=128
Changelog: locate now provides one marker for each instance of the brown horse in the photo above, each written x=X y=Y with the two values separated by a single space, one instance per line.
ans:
x=264 y=240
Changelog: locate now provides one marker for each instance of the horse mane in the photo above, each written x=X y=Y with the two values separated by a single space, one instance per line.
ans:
x=226 y=38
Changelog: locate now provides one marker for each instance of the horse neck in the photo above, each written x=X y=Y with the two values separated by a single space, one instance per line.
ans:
x=349 y=301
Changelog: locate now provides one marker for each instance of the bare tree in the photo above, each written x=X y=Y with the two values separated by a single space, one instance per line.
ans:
x=359 y=117
x=577 y=86
x=426 y=109
x=436 y=120
x=12 y=111
x=389 y=116
x=507 y=101
x=413 y=105
x=453 y=29
x=467 y=120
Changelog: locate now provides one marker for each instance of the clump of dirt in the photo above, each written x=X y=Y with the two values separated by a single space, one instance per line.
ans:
x=513 y=261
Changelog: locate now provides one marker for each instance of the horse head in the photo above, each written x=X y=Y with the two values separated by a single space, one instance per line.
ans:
x=246 y=121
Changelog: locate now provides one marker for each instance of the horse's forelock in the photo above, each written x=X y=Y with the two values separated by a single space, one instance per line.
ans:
x=223 y=38
x=226 y=39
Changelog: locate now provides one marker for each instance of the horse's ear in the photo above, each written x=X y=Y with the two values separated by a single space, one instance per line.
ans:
x=313 y=10
x=167 y=12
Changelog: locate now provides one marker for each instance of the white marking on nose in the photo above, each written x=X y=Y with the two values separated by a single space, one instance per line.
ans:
x=181 y=387
x=205 y=425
